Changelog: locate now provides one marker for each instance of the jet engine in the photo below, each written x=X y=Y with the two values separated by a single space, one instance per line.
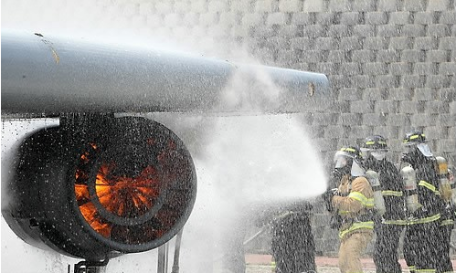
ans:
x=97 y=187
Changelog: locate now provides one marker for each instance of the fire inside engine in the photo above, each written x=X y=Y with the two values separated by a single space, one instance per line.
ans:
x=110 y=194
x=99 y=187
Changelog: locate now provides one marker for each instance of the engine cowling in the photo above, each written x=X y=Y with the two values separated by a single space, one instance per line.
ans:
x=99 y=187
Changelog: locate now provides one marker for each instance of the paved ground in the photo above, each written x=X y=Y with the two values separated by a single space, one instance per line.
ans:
x=268 y=269
x=262 y=264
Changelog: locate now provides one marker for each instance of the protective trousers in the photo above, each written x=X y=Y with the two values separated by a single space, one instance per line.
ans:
x=385 y=249
x=444 y=264
x=421 y=247
x=351 y=248
x=293 y=245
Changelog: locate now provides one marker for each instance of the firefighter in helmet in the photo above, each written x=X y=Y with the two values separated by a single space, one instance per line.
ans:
x=424 y=204
x=389 y=204
x=354 y=203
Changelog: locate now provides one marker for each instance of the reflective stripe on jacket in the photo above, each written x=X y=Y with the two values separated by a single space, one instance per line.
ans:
x=426 y=189
x=356 y=226
x=392 y=191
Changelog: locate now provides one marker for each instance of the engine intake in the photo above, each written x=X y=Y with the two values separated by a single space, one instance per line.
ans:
x=96 y=187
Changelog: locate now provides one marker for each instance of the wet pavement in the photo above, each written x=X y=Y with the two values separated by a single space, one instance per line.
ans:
x=257 y=263
x=263 y=264
x=322 y=269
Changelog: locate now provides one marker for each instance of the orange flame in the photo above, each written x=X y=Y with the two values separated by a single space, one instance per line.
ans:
x=121 y=195
x=82 y=192
x=127 y=195
x=89 y=212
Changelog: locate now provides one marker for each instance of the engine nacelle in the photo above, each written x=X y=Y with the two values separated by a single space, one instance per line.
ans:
x=97 y=187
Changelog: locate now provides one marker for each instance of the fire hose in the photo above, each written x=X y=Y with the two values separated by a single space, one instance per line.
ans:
x=265 y=227
x=261 y=231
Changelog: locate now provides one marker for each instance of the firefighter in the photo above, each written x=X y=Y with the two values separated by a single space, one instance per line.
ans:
x=354 y=203
x=421 y=240
x=293 y=246
x=390 y=219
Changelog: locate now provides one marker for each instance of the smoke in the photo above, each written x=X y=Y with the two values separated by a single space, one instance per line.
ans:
x=245 y=163
x=263 y=159
x=250 y=91
x=248 y=162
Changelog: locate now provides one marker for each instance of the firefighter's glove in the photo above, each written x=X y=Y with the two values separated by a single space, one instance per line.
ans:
x=331 y=193
x=335 y=221
x=327 y=197
x=334 y=191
